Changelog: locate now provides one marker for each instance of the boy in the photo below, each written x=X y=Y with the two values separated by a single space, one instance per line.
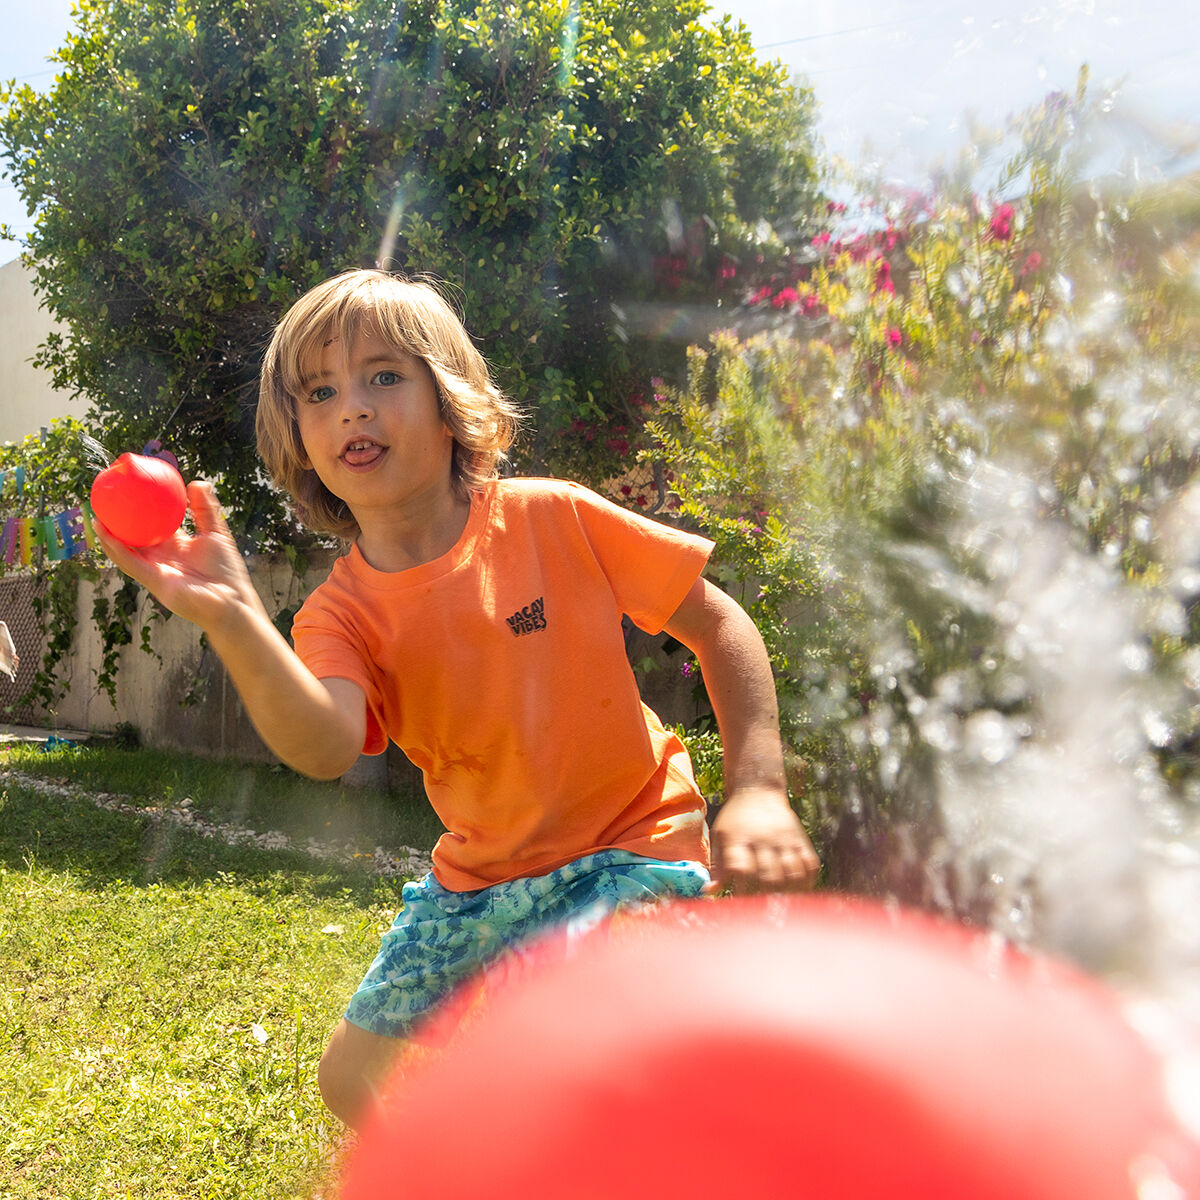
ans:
x=475 y=622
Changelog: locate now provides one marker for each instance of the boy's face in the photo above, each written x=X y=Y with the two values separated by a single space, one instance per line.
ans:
x=369 y=420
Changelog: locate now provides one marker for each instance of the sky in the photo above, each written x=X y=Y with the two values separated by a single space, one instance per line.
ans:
x=898 y=82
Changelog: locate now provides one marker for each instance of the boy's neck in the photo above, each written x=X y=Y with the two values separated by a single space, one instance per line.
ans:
x=401 y=541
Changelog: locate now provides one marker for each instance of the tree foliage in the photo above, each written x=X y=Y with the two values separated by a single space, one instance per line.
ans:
x=199 y=163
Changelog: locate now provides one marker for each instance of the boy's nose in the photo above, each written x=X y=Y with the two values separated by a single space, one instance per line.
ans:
x=356 y=407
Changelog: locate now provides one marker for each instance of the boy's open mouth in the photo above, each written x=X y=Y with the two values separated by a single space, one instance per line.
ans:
x=362 y=452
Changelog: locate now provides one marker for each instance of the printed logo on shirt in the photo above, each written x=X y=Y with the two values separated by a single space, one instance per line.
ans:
x=530 y=619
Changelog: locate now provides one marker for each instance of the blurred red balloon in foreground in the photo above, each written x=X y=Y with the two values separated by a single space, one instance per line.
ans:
x=140 y=500
x=790 y=1047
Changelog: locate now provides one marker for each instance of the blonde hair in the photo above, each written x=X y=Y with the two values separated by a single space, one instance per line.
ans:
x=413 y=316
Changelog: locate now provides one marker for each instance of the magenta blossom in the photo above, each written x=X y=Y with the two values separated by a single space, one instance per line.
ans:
x=1001 y=226
x=1031 y=264
x=894 y=336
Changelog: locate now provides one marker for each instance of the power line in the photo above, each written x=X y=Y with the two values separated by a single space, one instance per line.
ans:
x=817 y=37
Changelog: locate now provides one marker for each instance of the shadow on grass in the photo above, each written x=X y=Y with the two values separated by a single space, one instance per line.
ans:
x=255 y=795
x=99 y=847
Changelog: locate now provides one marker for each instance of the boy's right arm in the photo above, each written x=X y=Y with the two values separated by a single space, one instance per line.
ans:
x=315 y=726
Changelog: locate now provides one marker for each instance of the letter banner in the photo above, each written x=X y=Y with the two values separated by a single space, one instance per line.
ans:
x=61 y=536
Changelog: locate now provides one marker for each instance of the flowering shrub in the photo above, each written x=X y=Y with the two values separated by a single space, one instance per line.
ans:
x=953 y=370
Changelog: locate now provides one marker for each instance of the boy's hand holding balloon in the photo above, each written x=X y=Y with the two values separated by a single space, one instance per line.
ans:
x=200 y=577
x=141 y=500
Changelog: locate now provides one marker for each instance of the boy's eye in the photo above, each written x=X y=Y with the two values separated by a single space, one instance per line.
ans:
x=387 y=378
x=322 y=393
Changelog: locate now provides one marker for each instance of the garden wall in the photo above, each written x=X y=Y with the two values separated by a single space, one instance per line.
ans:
x=152 y=687
x=152 y=684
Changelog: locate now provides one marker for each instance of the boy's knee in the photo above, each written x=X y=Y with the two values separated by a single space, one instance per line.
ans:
x=350 y=1071
x=336 y=1088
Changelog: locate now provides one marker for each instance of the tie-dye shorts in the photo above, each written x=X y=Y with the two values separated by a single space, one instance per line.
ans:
x=441 y=939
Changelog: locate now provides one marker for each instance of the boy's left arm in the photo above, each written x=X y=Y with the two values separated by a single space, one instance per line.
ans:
x=758 y=841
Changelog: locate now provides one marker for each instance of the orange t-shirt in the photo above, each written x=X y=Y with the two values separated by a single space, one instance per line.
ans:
x=500 y=670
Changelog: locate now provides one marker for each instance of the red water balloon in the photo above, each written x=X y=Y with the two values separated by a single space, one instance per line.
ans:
x=790 y=1048
x=140 y=500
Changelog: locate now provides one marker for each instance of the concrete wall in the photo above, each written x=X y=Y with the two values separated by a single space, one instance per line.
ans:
x=29 y=400
x=151 y=687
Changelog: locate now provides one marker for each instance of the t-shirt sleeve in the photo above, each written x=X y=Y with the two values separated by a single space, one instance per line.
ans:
x=330 y=652
x=651 y=565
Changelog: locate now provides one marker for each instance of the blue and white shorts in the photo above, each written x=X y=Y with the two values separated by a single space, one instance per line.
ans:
x=440 y=939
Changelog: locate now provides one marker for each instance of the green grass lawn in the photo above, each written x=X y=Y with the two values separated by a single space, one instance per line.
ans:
x=165 y=997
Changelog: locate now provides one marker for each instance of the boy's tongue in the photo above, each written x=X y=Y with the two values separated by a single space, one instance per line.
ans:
x=359 y=456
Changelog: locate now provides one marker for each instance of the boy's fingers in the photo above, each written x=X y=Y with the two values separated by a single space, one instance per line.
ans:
x=744 y=868
x=801 y=868
x=122 y=555
x=206 y=512
x=735 y=866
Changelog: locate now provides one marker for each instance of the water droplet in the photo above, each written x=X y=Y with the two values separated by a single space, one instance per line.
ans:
x=989 y=736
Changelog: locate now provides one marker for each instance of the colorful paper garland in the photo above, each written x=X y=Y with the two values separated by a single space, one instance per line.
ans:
x=18 y=476
x=62 y=535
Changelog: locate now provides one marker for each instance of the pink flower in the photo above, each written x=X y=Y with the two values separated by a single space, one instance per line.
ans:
x=1031 y=264
x=894 y=336
x=811 y=305
x=669 y=270
x=883 y=277
x=860 y=248
x=822 y=239
x=1001 y=224
x=787 y=296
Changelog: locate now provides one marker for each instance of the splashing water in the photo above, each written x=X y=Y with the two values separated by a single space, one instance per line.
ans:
x=1021 y=749
x=1061 y=803
x=94 y=454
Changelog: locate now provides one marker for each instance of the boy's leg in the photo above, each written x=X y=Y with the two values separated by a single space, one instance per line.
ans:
x=442 y=939
x=353 y=1069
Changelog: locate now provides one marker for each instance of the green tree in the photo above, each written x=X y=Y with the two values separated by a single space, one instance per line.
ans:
x=199 y=163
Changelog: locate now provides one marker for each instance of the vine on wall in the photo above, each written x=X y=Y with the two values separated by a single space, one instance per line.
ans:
x=47 y=476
